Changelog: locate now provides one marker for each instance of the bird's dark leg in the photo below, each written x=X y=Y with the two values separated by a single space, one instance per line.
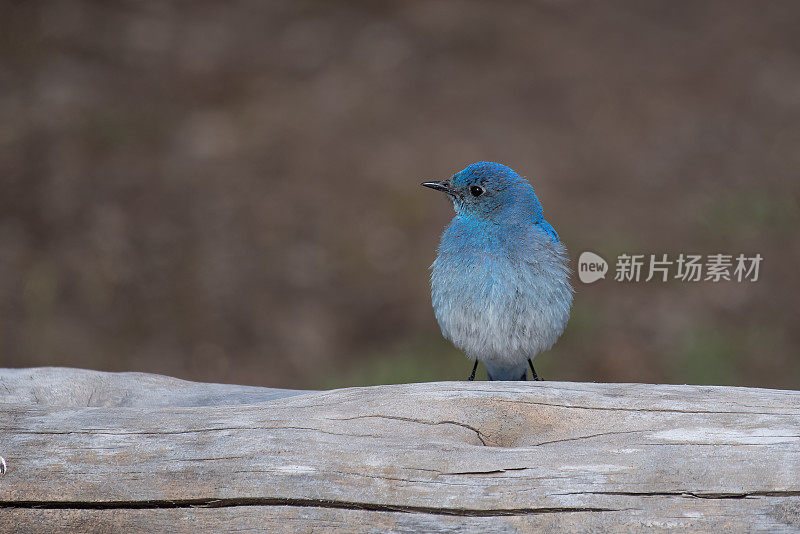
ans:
x=472 y=374
x=533 y=371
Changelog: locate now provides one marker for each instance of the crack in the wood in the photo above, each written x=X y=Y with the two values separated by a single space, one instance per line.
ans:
x=322 y=431
x=209 y=459
x=306 y=503
x=492 y=472
x=592 y=436
x=478 y=433
x=691 y=494
x=621 y=409
x=399 y=479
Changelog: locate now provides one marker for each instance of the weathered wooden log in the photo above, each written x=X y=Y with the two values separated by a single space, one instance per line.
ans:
x=89 y=451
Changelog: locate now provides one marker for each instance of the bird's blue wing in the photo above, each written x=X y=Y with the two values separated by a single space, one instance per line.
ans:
x=549 y=229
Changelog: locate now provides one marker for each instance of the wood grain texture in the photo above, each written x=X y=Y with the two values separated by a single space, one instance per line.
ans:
x=63 y=386
x=452 y=456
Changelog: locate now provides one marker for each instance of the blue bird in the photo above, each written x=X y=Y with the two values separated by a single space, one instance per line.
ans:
x=500 y=283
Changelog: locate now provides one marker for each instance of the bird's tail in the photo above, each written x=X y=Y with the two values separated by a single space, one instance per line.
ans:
x=495 y=371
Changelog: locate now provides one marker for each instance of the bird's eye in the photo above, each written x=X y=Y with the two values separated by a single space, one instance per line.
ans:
x=476 y=191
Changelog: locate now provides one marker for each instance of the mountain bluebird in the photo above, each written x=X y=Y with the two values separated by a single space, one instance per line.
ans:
x=500 y=283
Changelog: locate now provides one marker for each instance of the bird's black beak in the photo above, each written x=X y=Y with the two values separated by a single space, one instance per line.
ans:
x=443 y=186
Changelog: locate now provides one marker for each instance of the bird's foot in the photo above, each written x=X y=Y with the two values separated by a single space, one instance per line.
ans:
x=534 y=376
x=472 y=374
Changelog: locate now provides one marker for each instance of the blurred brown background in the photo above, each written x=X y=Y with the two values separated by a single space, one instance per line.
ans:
x=229 y=191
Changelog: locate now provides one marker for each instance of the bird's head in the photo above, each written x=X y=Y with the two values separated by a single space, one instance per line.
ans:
x=490 y=191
